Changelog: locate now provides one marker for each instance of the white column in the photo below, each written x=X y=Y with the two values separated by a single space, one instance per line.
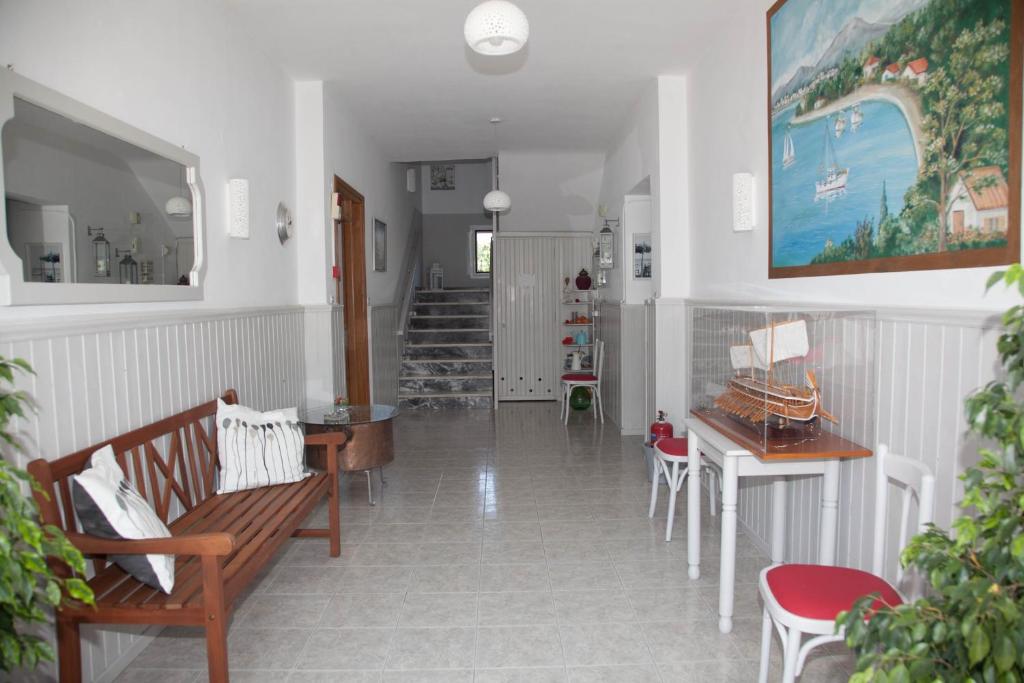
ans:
x=829 y=512
x=693 y=504
x=778 y=520
x=727 y=573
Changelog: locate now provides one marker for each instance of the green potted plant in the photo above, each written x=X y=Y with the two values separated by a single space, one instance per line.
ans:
x=28 y=585
x=970 y=624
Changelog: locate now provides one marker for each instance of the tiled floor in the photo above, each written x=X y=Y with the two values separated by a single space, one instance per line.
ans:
x=507 y=548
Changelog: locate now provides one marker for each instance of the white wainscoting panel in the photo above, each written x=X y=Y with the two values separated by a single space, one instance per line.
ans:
x=100 y=377
x=621 y=327
x=671 y=377
x=609 y=330
x=385 y=353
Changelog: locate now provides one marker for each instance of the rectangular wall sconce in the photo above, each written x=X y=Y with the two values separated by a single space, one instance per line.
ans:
x=743 y=210
x=238 y=208
x=410 y=180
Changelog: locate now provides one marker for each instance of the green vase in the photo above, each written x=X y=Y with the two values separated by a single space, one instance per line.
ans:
x=579 y=399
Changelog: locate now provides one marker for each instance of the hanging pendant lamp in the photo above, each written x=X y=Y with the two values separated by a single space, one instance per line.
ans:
x=496 y=201
x=496 y=28
x=179 y=206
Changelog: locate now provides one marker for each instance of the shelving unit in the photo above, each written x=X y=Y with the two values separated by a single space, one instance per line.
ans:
x=578 y=302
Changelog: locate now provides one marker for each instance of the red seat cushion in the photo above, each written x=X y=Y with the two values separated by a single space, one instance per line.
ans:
x=579 y=377
x=673 y=445
x=821 y=592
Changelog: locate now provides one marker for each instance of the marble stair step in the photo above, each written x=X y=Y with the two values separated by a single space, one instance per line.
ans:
x=450 y=308
x=441 y=401
x=441 y=367
x=416 y=386
x=449 y=322
x=447 y=351
x=456 y=336
x=453 y=295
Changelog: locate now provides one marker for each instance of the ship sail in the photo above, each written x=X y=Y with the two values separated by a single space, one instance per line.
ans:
x=745 y=358
x=856 y=118
x=788 y=151
x=832 y=182
x=780 y=342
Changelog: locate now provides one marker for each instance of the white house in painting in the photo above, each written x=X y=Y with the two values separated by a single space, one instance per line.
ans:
x=979 y=200
x=891 y=72
x=871 y=66
x=917 y=71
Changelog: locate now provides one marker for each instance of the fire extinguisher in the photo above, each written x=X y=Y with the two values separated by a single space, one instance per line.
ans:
x=660 y=428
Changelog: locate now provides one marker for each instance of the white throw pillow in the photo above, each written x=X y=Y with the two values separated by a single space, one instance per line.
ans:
x=258 y=449
x=108 y=506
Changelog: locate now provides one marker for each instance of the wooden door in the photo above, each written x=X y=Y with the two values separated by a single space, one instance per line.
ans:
x=958 y=222
x=350 y=289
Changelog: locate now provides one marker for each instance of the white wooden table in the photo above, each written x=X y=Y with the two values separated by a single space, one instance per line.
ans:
x=737 y=461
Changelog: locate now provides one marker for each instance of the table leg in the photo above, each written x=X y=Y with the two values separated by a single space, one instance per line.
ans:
x=778 y=520
x=369 y=487
x=829 y=513
x=334 y=501
x=693 y=504
x=727 y=572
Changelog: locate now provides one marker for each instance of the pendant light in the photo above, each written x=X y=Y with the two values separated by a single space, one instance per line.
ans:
x=496 y=28
x=496 y=201
x=179 y=206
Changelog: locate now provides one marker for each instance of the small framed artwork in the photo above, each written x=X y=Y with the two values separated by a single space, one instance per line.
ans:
x=380 y=245
x=894 y=135
x=44 y=261
x=642 y=256
x=442 y=177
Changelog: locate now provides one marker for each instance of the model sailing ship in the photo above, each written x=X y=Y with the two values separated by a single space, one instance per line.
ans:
x=756 y=396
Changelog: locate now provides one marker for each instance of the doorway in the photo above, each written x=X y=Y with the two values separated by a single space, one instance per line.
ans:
x=350 y=289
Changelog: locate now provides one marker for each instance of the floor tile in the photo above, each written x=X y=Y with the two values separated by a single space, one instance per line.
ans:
x=603 y=644
x=583 y=607
x=346 y=648
x=518 y=646
x=439 y=609
x=363 y=610
x=432 y=648
x=513 y=609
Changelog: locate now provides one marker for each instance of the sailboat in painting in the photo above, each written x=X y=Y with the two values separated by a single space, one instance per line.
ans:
x=856 y=118
x=832 y=182
x=788 y=151
x=756 y=396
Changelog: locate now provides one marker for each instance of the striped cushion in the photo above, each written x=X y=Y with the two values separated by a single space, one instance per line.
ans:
x=258 y=449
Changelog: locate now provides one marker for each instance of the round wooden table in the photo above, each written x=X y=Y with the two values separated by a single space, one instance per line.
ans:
x=370 y=443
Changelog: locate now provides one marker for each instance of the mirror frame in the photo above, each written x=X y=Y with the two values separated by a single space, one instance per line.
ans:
x=14 y=290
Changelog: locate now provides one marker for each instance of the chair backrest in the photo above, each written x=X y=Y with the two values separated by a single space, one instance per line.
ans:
x=598 y=359
x=917 y=481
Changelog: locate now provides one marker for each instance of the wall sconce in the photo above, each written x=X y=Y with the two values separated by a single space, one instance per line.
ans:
x=606 y=244
x=128 y=267
x=742 y=202
x=238 y=208
x=100 y=251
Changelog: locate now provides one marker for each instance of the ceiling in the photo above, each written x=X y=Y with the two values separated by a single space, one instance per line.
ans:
x=406 y=73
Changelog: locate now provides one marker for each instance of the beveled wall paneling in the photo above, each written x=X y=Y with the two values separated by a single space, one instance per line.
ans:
x=97 y=378
x=385 y=354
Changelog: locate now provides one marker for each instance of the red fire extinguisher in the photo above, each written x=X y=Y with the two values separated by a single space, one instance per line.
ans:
x=660 y=428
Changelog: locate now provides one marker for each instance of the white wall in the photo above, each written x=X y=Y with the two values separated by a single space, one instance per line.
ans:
x=551 y=191
x=727 y=131
x=472 y=181
x=182 y=71
x=446 y=240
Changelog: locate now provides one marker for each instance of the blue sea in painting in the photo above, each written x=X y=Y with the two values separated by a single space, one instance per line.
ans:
x=882 y=149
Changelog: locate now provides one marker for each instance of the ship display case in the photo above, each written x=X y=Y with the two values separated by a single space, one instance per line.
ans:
x=785 y=383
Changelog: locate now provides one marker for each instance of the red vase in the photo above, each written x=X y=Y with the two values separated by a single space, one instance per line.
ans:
x=583 y=280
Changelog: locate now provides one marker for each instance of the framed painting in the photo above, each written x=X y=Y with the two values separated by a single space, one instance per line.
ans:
x=642 y=256
x=442 y=177
x=894 y=135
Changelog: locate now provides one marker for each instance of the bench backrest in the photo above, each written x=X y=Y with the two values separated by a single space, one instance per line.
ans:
x=185 y=470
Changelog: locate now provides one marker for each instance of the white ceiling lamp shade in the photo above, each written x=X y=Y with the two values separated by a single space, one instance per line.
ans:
x=179 y=206
x=497 y=201
x=496 y=28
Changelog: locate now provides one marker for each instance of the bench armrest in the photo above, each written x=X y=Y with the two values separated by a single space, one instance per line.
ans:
x=327 y=439
x=217 y=543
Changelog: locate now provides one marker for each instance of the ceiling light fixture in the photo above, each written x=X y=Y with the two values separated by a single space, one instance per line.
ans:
x=496 y=27
x=179 y=206
x=496 y=201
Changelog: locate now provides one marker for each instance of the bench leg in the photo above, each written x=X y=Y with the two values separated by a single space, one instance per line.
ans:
x=216 y=619
x=69 y=651
x=334 y=512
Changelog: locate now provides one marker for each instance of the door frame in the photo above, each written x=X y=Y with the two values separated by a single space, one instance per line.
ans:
x=350 y=289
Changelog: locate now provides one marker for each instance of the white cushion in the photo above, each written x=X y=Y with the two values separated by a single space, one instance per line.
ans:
x=108 y=506
x=258 y=449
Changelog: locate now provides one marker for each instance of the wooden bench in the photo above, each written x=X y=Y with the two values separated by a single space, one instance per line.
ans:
x=221 y=542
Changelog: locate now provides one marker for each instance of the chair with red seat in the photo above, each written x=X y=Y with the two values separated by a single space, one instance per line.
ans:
x=806 y=598
x=571 y=380
x=671 y=459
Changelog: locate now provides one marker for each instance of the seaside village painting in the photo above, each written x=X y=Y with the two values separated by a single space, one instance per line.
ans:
x=890 y=140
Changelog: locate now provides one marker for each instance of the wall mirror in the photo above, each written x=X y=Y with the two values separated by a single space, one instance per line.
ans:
x=94 y=210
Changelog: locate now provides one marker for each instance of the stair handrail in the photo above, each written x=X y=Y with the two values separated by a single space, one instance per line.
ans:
x=410 y=273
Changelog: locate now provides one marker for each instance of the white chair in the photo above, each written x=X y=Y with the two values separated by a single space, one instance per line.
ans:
x=806 y=598
x=671 y=458
x=592 y=381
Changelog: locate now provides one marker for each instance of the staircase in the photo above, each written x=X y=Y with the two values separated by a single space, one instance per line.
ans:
x=446 y=362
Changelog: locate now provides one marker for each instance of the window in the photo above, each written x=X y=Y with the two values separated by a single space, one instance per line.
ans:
x=481 y=252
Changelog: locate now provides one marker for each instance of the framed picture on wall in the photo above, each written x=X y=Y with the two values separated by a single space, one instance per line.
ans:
x=442 y=177
x=894 y=135
x=380 y=245
x=44 y=262
x=642 y=255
